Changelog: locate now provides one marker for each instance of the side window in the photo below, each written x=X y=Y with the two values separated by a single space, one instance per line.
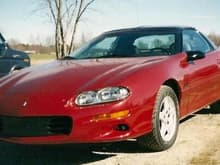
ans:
x=1 y=41
x=193 y=41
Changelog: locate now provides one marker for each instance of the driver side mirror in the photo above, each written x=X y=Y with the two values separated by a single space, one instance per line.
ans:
x=195 y=55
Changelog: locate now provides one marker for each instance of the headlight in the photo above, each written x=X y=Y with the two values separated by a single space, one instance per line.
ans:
x=104 y=95
x=86 y=98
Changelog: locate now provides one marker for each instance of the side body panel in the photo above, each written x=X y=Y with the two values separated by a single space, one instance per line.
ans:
x=202 y=81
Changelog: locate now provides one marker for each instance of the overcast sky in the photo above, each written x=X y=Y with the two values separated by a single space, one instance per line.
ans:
x=18 y=21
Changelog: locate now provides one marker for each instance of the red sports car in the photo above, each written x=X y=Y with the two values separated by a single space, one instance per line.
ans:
x=129 y=83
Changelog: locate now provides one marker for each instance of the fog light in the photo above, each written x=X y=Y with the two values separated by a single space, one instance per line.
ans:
x=107 y=116
x=122 y=127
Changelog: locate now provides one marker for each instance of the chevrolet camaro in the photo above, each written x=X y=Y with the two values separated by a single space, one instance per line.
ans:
x=135 y=83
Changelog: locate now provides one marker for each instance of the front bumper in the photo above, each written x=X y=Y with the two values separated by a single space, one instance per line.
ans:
x=39 y=130
x=74 y=125
x=34 y=126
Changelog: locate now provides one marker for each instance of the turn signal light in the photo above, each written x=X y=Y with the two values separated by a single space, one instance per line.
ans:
x=108 y=116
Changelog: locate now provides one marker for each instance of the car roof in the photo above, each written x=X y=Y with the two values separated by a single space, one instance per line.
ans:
x=151 y=28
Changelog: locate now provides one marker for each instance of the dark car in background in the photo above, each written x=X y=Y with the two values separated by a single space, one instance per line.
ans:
x=10 y=59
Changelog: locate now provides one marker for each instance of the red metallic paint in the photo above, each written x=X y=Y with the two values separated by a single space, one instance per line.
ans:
x=51 y=90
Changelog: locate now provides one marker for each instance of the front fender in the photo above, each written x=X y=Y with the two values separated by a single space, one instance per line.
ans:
x=145 y=82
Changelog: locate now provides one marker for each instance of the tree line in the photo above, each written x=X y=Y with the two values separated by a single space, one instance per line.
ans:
x=215 y=38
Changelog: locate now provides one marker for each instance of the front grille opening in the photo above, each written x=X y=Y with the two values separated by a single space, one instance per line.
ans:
x=122 y=127
x=60 y=125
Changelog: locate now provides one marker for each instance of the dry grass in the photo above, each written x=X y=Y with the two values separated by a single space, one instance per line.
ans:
x=36 y=57
x=41 y=58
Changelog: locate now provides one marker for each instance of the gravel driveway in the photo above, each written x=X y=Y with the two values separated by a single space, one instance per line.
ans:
x=198 y=143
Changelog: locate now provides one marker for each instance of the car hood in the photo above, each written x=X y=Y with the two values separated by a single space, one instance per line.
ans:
x=63 y=79
x=75 y=75
x=15 y=53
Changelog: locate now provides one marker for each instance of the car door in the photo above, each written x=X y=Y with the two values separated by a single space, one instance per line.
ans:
x=203 y=74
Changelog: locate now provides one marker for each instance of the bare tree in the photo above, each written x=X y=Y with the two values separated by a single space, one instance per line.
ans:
x=66 y=15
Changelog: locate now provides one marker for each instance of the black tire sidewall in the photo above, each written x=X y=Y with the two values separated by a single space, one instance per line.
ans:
x=163 y=92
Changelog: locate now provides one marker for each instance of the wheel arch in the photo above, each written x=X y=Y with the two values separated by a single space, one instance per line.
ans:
x=175 y=86
x=15 y=67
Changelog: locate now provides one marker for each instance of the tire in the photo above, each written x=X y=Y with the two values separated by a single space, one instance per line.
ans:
x=165 y=121
x=215 y=107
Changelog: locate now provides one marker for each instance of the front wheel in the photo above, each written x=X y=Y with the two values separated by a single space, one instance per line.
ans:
x=165 y=121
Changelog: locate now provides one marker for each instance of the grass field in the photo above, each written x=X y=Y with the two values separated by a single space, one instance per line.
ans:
x=36 y=57
x=41 y=58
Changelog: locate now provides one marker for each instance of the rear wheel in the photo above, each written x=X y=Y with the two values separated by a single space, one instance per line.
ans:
x=165 y=120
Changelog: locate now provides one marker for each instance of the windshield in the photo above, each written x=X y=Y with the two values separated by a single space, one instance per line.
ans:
x=126 y=44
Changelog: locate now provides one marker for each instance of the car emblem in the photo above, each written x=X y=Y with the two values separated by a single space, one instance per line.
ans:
x=24 y=104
